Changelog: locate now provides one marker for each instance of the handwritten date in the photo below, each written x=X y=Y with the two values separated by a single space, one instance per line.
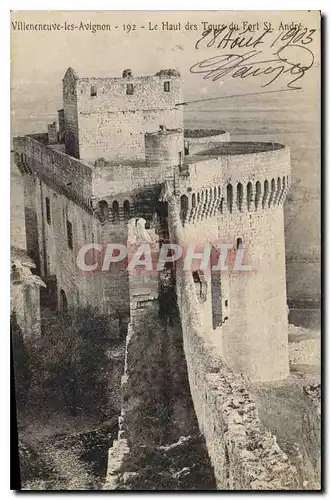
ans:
x=288 y=54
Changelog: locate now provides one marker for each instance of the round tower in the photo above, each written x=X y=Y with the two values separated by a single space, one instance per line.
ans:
x=164 y=150
x=234 y=195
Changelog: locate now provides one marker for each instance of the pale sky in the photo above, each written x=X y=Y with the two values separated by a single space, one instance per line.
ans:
x=43 y=56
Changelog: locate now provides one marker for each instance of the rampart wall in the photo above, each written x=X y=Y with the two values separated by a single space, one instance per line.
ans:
x=48 y=238
x=57 y=168
x=208 y=174
x=197 y=140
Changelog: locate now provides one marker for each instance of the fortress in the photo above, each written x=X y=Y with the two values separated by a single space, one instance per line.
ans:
x=119 y=153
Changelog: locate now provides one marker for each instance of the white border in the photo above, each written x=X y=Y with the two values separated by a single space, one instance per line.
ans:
x=5 y=171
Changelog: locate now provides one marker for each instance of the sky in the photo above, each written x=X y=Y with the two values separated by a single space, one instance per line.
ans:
x=41 y=57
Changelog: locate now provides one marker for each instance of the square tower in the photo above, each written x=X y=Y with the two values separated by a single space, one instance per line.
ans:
x=108 y=117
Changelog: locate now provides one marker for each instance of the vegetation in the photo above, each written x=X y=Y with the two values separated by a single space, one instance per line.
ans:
x=67 y=379
x=21 y=362
x=70 y=362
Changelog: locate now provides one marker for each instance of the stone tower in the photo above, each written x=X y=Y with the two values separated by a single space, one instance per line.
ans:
x=108 y=117
x=234 y=194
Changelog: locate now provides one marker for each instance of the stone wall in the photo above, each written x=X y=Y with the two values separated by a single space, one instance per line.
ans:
x=49 y=237
x=245 y=456
x=108 y=120
x=312 y=435
x=58 y=168
x=235 y=162
x=197 y=140
x=25 y=292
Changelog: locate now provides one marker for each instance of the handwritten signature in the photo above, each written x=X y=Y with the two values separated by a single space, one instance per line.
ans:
x=292 y=57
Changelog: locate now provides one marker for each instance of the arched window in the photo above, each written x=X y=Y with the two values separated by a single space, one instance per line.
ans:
x=257 y=194
x=265 y=193
x=193 y=201
x=215 y=193
x=249 y=195
x=63 y=301
x=229 y=197
x=103 y=210
x=93 y=91
x=183 y=207
x=240 y=195
x=116 y=211
x=127 y=210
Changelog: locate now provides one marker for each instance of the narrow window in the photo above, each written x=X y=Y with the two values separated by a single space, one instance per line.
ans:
x=273 y=189
x=126 y=210
x=226 y=303
x=116 y=211
x=265 y=193
x=278 y=192
x=69 y=235
x=103 y=210
x=93 y=91
x=229 y=197
x=240 y=195
x=183 y=207
x=129 y=88
x=250 y=196
x=166 y=86
x=257 y=194
x=48 y=210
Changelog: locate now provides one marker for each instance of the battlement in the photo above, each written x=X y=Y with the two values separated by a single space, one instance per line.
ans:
x=198 y=140
x=202 y=133
x=65 y=174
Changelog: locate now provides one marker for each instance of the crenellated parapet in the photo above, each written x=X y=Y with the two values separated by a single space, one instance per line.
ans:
x=197 y=140
x=65 y=174
x=233 y=178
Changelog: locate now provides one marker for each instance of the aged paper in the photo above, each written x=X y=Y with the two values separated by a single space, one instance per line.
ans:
x=165 y=249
